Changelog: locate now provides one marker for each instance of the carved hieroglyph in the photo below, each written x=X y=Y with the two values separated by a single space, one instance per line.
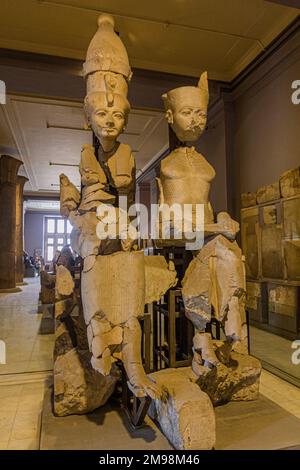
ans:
x=114 y=283
x=214 y=283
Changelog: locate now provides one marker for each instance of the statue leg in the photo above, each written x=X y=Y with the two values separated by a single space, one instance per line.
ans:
x=131 y=356
x=204 y=354
x=228 y=291
x=196 y=297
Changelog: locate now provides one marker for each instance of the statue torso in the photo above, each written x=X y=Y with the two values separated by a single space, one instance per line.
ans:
x=120 y=165
x=186 y=177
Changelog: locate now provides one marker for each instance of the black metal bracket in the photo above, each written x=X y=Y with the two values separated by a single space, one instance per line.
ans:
x=136 y=407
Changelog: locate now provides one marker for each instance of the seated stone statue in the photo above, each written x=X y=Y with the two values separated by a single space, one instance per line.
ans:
x=214 y=283
x=113 y=277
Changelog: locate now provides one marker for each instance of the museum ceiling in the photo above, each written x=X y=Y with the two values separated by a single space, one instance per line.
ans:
x=177 y=36
x=48 y=136
x=182 y=37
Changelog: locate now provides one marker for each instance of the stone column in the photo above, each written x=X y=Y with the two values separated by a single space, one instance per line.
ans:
x=21 y=180
x=9 y=167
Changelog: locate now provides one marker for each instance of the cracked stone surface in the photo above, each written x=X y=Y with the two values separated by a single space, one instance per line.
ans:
x=236 y=381
x=187 y=416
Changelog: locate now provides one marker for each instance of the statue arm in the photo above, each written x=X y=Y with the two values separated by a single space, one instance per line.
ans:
x=69 y=196
x=161 y=199
x=225 y=225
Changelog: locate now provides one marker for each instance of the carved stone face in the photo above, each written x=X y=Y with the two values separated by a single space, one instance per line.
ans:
x=107 y=122
x=188 y=122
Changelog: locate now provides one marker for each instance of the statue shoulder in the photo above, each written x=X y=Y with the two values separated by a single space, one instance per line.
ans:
x=168 y=161
x=89 y=167
x=88 y=157
x=208 y=167
x=125 y=161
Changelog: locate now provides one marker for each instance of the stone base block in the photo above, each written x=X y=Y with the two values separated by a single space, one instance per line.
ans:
x=235 y=381
x=47 y=326
x=78 y=388
x=13 y=290
x=187 y=416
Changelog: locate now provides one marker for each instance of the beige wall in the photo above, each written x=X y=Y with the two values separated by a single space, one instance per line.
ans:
x=267 y=123
x=267 y=129
x=255 y=135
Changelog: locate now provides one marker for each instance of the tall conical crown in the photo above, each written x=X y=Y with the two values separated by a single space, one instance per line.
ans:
x=106 y=52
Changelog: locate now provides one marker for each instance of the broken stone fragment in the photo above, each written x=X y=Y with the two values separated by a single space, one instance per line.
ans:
x=64 y=282
x=105 y=340
x=187 y=416
x=268 y=193
x=238 y=380
x=290 y=183
x=119 y=291
x=103 y=364
x=69 y=195
x=63 y=307
x=47 y=294
x=159 y=277
x=248 y=199
x=100 y=325
x=63 y=342
x=78 y=388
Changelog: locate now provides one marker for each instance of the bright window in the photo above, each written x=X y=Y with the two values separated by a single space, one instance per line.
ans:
x=50 y=225
x=56 y=235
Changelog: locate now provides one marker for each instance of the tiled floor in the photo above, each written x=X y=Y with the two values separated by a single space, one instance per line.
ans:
x=26 y=349
x=284 y=394
x=274 y=350
x=20 y=413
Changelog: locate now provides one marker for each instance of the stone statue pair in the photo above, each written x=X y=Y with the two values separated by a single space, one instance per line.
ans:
x=114 y=285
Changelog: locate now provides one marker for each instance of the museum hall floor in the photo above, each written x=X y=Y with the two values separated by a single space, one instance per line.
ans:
x=26 y=349
x=275 y=351
x=26 y=421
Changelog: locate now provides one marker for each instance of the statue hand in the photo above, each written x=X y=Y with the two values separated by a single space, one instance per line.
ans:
x=69 y=196
x=230 y=226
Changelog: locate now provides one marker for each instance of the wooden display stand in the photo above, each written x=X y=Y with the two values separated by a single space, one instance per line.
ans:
x=172 y=332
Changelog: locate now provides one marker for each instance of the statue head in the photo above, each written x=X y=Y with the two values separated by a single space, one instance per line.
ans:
x=107 y=72
x=186 y=109
x=107 y=114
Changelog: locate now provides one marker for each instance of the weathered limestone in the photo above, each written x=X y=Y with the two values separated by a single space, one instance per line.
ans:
x=47 y=325
x=248 y=199
x=9 y=167
x=215 y=278
x=268 y=193
x=236 y=378
x=290 y=183
x=214 y=283
x=78 y=387
x=21 y=180
x=111 y=311
x=47 y=294
x=186 y=417
x=64 y=285
x=69 y=195
x=113 y=277
x=159 y=277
